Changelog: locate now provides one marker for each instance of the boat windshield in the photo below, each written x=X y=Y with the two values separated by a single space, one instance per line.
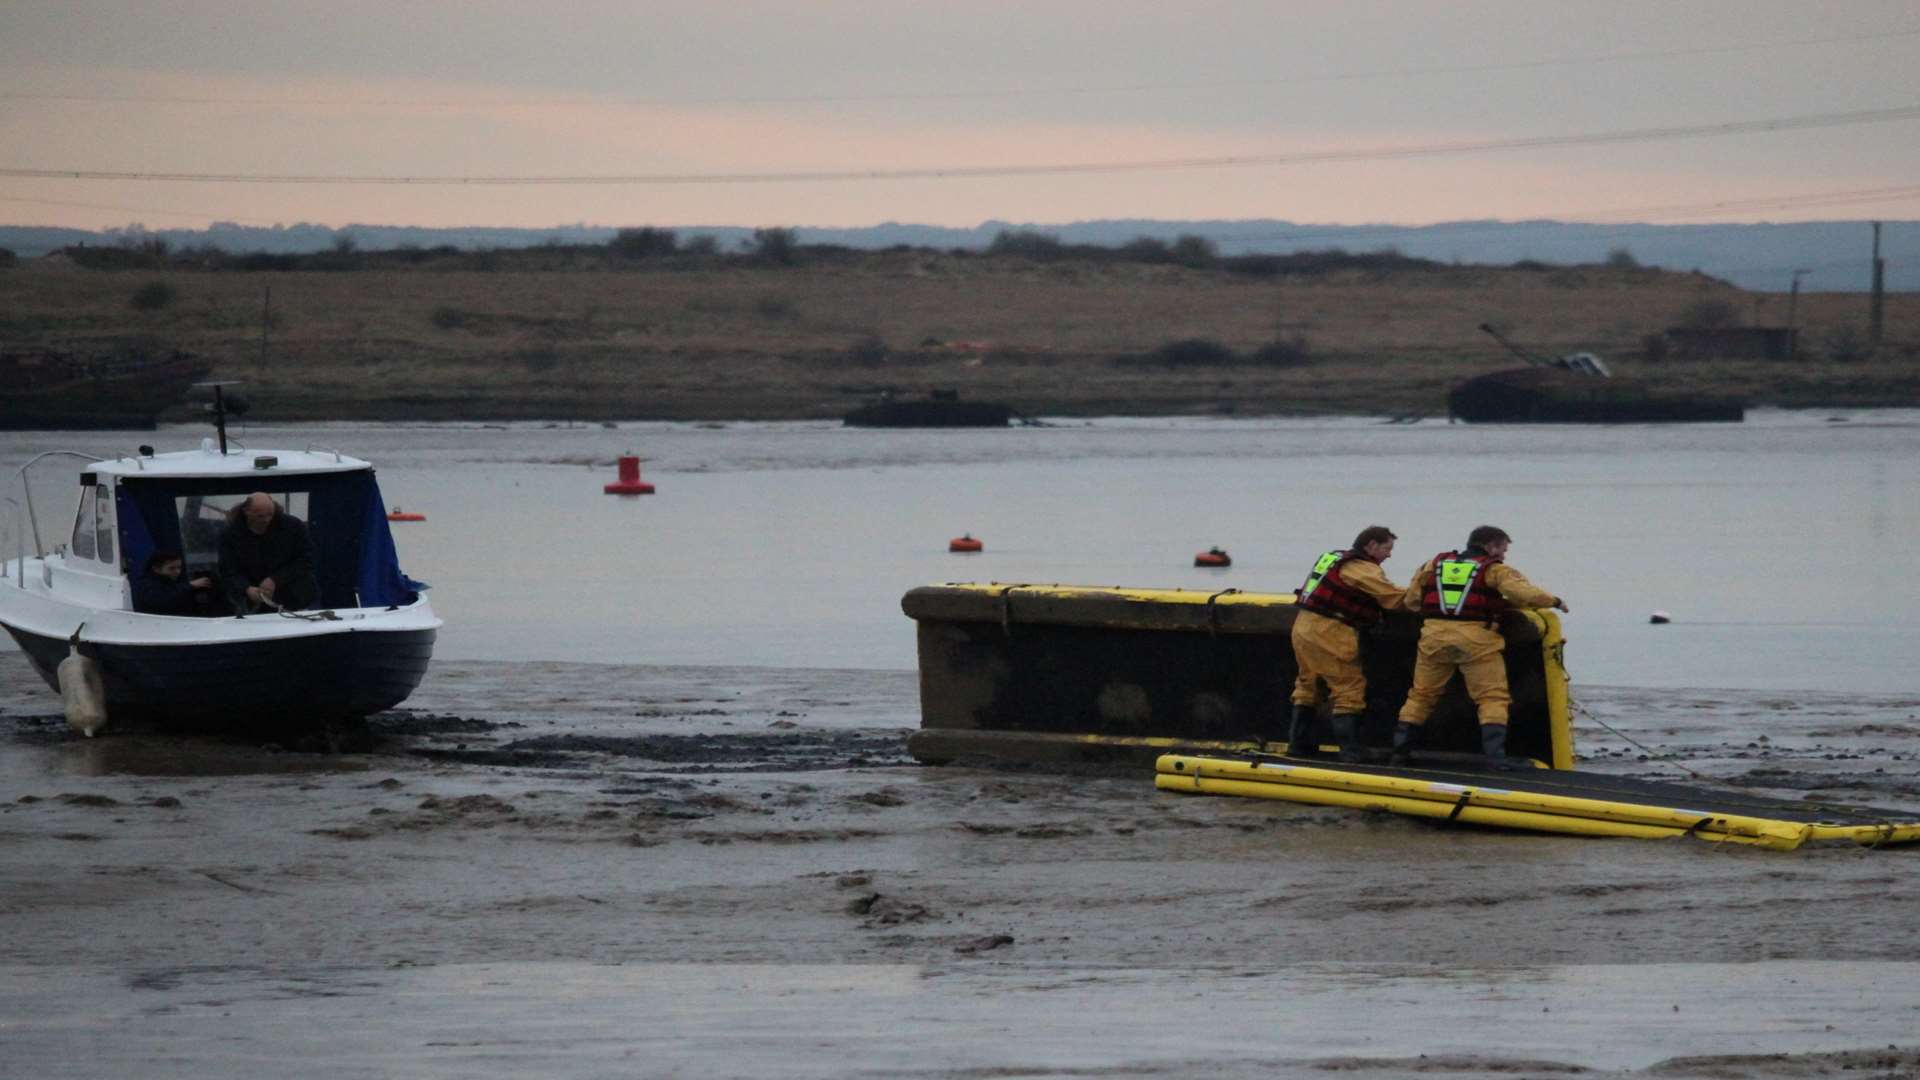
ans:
x=354 y=559
x=203 y=517
x=93 y=527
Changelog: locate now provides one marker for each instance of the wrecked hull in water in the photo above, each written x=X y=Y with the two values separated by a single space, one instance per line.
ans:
x=1549 y=395
x=930 y=413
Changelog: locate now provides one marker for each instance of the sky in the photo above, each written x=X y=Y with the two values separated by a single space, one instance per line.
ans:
x=179 y=113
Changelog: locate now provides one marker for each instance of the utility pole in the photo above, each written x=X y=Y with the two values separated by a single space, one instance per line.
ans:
x=266 y=320
x=1879 y=291
x=1793 y=309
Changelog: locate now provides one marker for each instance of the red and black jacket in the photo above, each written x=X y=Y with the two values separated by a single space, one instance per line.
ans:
x=1333 y=597
x=1483 y=603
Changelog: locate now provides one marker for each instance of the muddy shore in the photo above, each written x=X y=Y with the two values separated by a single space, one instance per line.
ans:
x=575 y=870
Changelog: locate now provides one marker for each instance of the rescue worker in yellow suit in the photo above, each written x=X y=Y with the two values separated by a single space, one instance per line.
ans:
x=1461 y=595
x=1345 y=593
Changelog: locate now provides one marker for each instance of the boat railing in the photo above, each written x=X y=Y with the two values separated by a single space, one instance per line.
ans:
x=337 y=455
x=26 y=500
x=20 y=543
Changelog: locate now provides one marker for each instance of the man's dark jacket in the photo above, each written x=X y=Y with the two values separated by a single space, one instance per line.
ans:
x=156 y=595
x=284 y=553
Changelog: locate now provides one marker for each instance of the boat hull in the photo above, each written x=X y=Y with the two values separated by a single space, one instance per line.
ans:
x=1553 y=396
x=912 y=414
x=44 y=390
x=262 y=684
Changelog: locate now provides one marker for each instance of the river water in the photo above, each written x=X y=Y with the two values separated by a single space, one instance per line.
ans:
x=1781 y=547
x=561 y=869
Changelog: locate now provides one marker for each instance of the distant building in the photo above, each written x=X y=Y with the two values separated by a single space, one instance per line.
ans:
x=1682 y=343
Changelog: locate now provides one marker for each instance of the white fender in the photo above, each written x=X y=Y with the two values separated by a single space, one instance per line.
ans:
x=81 y=690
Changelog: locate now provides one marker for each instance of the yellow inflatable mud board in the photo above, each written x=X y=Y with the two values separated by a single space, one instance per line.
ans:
x=1539 y=800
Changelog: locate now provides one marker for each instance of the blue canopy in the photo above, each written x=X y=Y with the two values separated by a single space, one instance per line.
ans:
x=354 y=557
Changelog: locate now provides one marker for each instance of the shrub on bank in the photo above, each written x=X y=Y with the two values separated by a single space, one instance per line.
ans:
x=869 y=351
x=1710 y=315
x=644 y=243
x=153 y=296
x=1292 y=352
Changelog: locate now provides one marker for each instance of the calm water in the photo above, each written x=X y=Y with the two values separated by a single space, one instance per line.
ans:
x=1782 y=547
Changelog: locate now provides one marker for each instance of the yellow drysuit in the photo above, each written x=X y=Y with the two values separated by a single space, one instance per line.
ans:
x=1471 y=647
x=1326 y=648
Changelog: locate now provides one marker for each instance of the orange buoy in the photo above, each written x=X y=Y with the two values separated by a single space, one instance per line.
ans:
x=397 y=514
x=965 y=544
x=1213 y=557
x=629 y=482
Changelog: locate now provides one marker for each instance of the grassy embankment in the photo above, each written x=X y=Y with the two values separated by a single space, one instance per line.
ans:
x=732 y=339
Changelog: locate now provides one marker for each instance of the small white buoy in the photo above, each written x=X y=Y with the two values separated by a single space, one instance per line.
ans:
x=82 y=692
x=1659 y=617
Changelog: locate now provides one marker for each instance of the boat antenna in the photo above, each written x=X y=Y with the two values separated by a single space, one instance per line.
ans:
x=221 y=407
x=1514 y=349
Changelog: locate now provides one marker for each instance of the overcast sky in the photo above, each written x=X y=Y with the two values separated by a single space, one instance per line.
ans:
x=855 y=112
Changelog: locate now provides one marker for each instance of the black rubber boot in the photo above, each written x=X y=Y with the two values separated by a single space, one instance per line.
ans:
x=1346 y=732
x=1404 y=736
x=1300 y=733
x=1493 y=743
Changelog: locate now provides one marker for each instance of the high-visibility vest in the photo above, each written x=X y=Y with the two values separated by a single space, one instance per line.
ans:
x=1326 y=593
x=1458 y=589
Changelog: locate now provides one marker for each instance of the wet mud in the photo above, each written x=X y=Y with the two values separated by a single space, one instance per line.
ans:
x=749 y=857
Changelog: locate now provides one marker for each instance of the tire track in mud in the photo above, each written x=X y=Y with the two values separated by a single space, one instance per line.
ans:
x=786 y=751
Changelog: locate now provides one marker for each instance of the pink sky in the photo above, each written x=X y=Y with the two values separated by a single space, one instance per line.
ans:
x=485 y=89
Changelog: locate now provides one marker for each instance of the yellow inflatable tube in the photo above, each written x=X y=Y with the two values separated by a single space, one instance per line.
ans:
x=1480 y=805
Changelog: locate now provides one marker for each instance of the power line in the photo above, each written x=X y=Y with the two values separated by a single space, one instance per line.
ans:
x=962 y=172
x=1779 y=202
x=955 y=95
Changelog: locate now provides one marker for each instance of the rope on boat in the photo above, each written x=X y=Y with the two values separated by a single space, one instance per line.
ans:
x=303 y=616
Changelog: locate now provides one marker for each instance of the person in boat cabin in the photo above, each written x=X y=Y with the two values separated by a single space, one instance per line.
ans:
x=159 y=591
x=266 y=557
x=1461 y=594
x=1345 y=592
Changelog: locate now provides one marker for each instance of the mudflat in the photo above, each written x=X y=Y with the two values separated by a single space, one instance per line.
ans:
x=581 y=870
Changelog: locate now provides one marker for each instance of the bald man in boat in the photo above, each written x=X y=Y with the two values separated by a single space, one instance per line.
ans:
x=1345 y=593
x=1461 y=595
x=266 y=557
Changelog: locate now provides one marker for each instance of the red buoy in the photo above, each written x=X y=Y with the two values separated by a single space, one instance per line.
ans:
x=629 y=482
x=397 y=514
x=1213 y=557
x=965 y=544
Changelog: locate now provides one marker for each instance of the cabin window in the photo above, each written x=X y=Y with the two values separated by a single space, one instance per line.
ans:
x=84 y=530
x=204 y=517
x=103 y=524
x=93 y=525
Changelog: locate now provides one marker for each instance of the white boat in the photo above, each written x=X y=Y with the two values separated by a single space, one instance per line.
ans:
x=363 y=647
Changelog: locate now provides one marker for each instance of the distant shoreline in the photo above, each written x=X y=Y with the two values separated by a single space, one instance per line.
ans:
x=565 y=336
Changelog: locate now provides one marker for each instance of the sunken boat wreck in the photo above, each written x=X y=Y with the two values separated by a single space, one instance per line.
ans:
x=940 y=408
x=1577 y=388
x=1195 y=685
x=125 y=388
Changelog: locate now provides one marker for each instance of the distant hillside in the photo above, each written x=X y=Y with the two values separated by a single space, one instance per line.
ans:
x=1051 y=329
x=1762 y=258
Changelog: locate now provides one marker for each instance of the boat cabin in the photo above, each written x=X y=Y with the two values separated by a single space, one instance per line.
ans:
x=132 y=507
